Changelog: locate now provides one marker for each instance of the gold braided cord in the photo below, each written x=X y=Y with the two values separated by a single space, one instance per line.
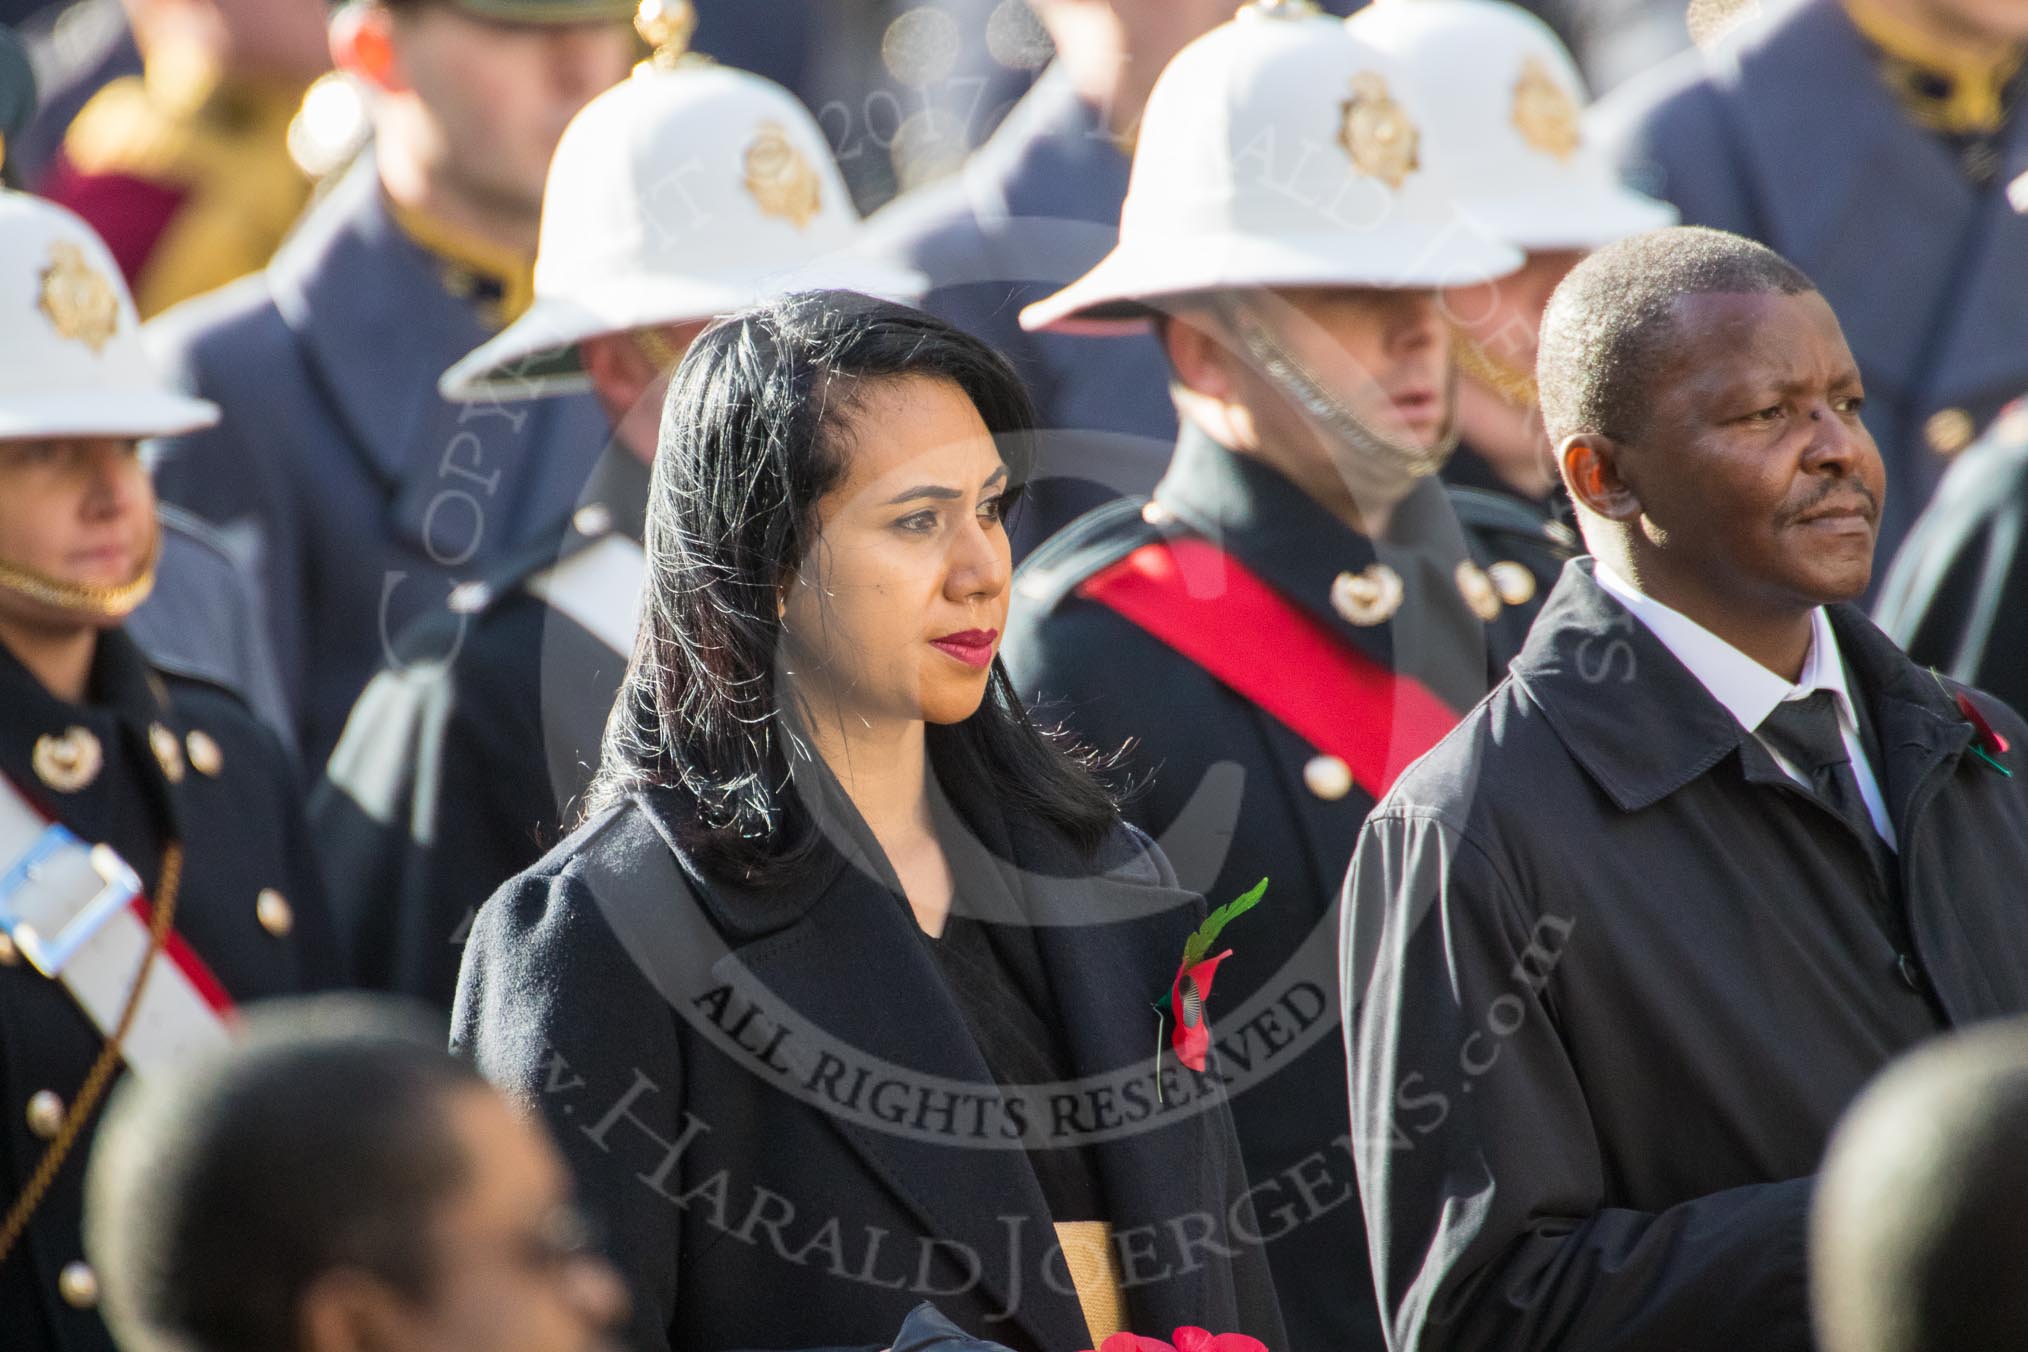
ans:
x=1514 y=386
x=101 y=1073
x=656 y=347
x=99 y=603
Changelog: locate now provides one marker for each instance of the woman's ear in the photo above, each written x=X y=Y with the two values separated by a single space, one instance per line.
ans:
x=362 y=46
x=1591 y=471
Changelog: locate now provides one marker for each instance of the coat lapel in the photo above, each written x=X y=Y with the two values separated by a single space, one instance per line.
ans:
x=858 y=939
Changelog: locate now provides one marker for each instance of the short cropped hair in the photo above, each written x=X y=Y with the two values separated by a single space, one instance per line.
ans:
x=1919 y=1231
x=219 y=1193
x=1611 y=325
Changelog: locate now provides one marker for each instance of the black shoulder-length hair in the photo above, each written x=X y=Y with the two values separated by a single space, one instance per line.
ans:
x=756 y=429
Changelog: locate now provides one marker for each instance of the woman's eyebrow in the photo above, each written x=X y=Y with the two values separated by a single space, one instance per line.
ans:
x=939 y=491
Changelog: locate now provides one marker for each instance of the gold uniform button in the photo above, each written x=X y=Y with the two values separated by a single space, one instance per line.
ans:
x=1367 y=598
x=45 y=1113
x=1478 y=591
x=1949 y=431
x=168 y=752
x=78 y=1285
x=205 y=757
x=594 y=518
x=1328 y=777
x=271 y=908
x=1512 y=582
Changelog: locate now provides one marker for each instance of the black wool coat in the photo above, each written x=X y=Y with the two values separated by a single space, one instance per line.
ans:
x=775 y=1109
x=1615 y=976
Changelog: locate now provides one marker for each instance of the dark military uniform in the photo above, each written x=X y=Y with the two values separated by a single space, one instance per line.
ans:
x=466 y=759
x=1805 y=134
x=1233 y=794
x=250 y=906
x=1956 y=597
x=356 y=494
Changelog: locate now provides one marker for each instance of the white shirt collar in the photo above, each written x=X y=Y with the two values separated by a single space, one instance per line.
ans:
x=1746 y=688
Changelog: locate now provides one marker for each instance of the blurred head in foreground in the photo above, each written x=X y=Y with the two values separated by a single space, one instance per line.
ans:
x=1919 y=1233
x=337 y=1182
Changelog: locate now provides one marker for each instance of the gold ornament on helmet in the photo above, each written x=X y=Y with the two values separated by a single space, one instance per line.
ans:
x=1283 y=9
x=1377 y=133
x=79 y=300
x=667 y=27
x=1545 y=113
x=780 y=178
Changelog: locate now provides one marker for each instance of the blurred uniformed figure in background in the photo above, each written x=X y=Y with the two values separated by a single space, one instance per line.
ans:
x=199 y=619
x=155 y=868
x=691 y=190
x=358 y=495
x=184 y=169
x=1505 y=105
x=1302 y=607
x=1036 y=207
x=1878 y=145
x=1956 y=597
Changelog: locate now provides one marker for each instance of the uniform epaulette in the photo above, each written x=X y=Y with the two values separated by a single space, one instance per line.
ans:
x=1497 y=514
x=1101 y=536
x=512 y=574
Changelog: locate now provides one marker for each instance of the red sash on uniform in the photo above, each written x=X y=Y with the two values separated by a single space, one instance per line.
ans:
x=1199 y=600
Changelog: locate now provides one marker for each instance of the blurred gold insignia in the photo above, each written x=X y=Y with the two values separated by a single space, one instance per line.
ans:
x=781 y=178
x=1376 y=132
x=1544 y=112
x=79 y=300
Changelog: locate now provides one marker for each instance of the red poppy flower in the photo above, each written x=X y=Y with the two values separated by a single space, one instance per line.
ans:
x=1187 y=996
x=1188 y=1339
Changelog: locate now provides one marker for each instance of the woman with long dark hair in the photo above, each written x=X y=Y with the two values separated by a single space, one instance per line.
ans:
x=845 y=997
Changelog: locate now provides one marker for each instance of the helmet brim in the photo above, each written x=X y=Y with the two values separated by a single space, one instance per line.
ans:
x=1126 y=288
x=536 y=356
x=102 y=413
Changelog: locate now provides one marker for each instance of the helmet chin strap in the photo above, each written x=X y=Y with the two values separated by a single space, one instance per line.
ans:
x=1513 y=386
x=102 y=604
x=1329 y=413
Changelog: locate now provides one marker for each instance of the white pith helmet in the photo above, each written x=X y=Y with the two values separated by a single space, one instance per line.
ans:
x=1278 y=151
x=1506 y=107
x=71 y=359
x=688 y=191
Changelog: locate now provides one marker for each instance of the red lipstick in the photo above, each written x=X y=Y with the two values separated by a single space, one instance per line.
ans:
x=973 y=647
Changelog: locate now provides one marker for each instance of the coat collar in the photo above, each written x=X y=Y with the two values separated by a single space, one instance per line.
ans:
x=1109 y=940
x=125 y=700
x=1643 y=726
x=1272 y=527
x=333 y=285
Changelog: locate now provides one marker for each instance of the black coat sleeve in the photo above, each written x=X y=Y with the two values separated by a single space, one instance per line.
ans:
x=1485 y=1190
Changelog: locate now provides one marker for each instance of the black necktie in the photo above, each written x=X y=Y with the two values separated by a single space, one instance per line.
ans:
x=1805 y=732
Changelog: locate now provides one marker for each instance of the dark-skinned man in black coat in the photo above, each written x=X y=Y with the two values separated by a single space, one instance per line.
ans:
x=1622 y=947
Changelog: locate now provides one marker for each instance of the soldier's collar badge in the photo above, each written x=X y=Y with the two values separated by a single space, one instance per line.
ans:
x=1377 y=133
x=1545 y=113
x=78 y=300
x=780 y=178
x=68 y=762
